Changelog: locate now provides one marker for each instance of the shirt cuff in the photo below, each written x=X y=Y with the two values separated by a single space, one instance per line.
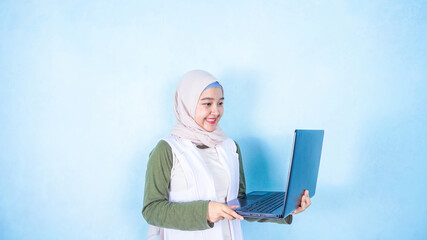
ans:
x=205 y=205
x=288 y=219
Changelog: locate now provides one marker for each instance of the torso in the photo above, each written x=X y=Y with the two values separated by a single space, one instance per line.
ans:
x=219 y=175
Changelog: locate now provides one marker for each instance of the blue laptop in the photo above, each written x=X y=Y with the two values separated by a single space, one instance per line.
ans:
x=303 y=171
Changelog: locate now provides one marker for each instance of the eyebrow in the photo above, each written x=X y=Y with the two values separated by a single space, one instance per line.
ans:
x=207 y=98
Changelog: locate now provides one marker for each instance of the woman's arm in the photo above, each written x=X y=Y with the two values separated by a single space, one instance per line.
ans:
x=157 y=210
x=242 y=192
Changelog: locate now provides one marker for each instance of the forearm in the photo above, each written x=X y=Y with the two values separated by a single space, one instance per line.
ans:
x=183 y=216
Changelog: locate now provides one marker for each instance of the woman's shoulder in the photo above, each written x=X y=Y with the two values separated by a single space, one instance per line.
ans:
x=232 y=143
x=162 y=150
x=162 y=145
x=237 y=145
x=160 y=158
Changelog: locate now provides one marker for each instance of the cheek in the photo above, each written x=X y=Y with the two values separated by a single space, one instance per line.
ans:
x=221 y=111
x=200 y=114
x=197 y=114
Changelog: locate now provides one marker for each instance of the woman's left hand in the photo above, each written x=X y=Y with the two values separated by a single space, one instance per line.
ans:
x=304 y=204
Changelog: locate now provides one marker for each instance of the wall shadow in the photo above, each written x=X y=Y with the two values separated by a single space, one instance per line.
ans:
x=241 y=92
x=255 y=163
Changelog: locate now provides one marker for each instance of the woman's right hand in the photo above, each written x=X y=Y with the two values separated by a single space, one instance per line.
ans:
x=218 y=211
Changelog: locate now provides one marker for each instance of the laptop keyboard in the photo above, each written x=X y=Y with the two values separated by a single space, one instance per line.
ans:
x=266 y=205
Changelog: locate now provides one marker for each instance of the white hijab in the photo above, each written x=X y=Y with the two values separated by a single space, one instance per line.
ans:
x=187 y=95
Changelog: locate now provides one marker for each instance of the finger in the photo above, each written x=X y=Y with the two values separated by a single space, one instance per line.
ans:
x=307 y=200
x=303 y=205
x=229 y=211
x=303 y=197
x=215 y=219
x=228 y=216
x=234 y=207
x=219 y=218
x=296 y=211
x=303 y=200
x=236 y=215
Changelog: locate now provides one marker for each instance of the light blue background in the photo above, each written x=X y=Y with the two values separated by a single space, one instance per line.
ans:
x=86 y=90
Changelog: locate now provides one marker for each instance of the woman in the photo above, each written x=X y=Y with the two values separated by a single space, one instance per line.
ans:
x=194 y=171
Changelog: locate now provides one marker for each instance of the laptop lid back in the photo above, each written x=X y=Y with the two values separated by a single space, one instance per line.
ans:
x=304 y=167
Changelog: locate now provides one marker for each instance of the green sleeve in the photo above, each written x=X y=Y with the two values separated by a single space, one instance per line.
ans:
x=242 y=181
x=242 y=192
x=157 y=209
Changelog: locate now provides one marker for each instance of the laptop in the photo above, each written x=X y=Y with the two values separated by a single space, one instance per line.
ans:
x=303 y=171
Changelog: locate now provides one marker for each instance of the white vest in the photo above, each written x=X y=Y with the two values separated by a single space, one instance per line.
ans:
x=201 y=187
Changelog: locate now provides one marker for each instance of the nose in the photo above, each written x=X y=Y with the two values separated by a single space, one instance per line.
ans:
x=215 y=110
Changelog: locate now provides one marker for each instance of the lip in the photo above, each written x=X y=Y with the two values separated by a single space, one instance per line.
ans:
x=211 y=120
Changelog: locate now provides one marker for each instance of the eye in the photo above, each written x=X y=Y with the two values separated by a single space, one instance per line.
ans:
x=221 y=103
x=207 y=104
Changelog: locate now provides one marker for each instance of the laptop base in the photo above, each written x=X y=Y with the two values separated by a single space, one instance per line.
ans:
x=253 y=198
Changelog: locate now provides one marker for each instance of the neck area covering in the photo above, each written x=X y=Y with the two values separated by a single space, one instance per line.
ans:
x=187 y=95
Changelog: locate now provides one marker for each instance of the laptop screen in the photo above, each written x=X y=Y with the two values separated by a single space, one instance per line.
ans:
x=304 y=167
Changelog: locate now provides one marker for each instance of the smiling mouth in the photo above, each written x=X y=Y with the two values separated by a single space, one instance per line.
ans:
x=211 y=120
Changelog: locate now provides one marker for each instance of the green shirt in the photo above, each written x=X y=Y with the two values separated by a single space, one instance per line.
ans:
x=157 y=209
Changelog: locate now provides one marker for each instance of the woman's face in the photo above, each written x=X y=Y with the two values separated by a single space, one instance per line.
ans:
x=209 y=108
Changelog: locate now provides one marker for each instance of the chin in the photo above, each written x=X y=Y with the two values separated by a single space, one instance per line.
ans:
x=210 y=129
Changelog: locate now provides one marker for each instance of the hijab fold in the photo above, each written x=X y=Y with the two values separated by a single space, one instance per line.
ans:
x=187 y=95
